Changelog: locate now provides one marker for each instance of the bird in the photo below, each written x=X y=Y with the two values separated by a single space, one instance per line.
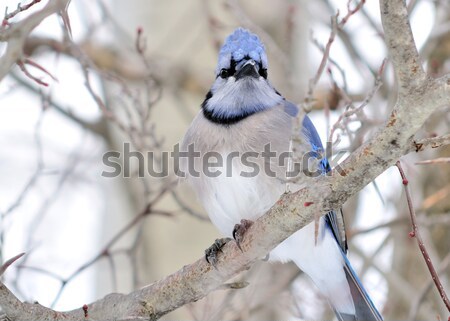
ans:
x=241 y=117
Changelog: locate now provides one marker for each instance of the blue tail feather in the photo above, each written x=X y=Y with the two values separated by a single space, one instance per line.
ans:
x=364 y=307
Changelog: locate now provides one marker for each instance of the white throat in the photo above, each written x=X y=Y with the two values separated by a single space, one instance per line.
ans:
x=240 y=97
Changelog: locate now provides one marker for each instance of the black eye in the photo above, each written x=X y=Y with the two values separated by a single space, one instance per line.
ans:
x=263 y=73
x=224 y=73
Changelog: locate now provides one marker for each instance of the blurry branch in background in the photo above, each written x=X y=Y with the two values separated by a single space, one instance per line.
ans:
x=351 y=109
x=419 y=96
x=33 y=179
x=14 y=34
x=338 y=95
x=441 y=160
x=420 y=297
x=9 y=262
x=107 y=252
x=246 y=22
x=96 y=127
x=131 y=114
x=335 y=26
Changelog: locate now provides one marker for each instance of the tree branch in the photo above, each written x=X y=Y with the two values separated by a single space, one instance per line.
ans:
x=400 y=41
x=416 y=234
x=433 y=142
x=17 y=33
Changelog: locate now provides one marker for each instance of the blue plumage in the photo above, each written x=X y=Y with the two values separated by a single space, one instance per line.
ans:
x=239 y=45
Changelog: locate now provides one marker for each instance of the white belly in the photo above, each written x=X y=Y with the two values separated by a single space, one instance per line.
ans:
x=230 y=198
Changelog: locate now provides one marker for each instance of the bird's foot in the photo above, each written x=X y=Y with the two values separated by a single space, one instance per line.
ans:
x=239 y=231
x=212 y=251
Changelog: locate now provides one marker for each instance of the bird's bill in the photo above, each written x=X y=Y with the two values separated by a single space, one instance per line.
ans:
x=248 y=69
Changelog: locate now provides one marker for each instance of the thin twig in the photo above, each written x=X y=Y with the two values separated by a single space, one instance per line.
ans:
x=419 y=299
x=415 y=233
x=440 y=160
x=335 y=27
x=24 y=69
x=30 y=62
x=326 y=53
x=352 y=111
x=8 y=263
x=20 y=8
x=106 y=251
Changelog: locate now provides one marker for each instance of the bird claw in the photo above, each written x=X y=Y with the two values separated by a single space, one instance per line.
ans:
x=239 y=231
x=212 y=251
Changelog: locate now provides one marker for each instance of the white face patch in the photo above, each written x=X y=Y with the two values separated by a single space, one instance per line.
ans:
x=231 y=97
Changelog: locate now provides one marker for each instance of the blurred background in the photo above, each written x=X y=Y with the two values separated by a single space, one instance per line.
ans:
x=136 y=72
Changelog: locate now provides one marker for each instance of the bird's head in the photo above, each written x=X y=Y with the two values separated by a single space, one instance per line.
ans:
x=241 y=55
x=241 y=87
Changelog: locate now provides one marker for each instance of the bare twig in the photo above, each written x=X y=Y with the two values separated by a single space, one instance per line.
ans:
x=96 y=127
x=16 y=33
x=355 y=110
x=9 y=262
x=39 y=168
x=436 y=197
x=419 y=298
x=326 y=52
x=440 y=160
x=187 y=209
x=350 y=12
x=416 y=234
x=335 y=27
x=24 y=69
x=20 y=8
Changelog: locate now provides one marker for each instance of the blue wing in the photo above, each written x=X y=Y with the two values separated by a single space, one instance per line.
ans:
x=333 y=221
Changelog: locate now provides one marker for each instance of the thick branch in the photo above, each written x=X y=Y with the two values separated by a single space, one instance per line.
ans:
x=399 y=39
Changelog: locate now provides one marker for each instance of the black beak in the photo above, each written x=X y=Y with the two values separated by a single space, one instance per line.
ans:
x=249 y=69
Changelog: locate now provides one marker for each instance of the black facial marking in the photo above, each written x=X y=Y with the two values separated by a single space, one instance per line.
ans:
x=221 y=120
x=225 y=73
x=208 y=96
x=232 y=66
x=263 y=73
x=226 y=121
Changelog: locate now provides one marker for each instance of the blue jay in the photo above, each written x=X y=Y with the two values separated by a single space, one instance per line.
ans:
x=243 y=113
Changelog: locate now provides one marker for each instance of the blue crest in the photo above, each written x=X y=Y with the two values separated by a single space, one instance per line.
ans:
x=239 y=44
